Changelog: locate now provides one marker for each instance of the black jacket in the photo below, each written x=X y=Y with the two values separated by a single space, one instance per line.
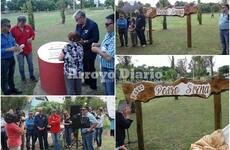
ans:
x=121 y=124
x=140 y=22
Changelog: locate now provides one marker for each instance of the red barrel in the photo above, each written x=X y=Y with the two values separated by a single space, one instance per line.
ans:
x=51 y=69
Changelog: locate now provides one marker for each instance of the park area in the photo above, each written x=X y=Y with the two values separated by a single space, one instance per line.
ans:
x=172 y=120
x=205 y=37
x=48 y=29
x=175 y=124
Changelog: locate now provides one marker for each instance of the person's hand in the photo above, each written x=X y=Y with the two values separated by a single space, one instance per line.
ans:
x=143 y=28
x=81 y=41
x=123 y=147
x=89 y=130
x=30 y=40
x=95 y=44
x=61 y=56
x=15 y=49
x=95 y=49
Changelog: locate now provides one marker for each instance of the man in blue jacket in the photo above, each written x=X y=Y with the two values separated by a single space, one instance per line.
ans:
x=8 y=47
x=122 y=29
x=140 y=28
x=224 y=29
x=30 y=131
x=40 y=123
x=89 y=34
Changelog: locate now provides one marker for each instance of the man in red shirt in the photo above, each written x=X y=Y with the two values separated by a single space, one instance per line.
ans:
x=54 y=121
x=24 y=34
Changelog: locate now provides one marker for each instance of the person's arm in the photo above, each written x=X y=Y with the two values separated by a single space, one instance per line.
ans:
x=95 y=35
x=32 y=35
x=94 y=122
x=123 y=122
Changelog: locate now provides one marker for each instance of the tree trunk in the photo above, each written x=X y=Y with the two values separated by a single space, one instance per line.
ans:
x=165 y=23
x=63 y=12
x=30 y=14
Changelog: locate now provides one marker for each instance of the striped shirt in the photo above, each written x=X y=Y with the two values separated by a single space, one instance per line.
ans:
x=108 y=46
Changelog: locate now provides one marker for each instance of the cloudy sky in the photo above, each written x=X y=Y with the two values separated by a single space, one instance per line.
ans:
x=153 y=2
x=163 y=60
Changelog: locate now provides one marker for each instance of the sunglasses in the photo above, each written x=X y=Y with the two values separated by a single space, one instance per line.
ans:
x=9 y=26
x=107 y=24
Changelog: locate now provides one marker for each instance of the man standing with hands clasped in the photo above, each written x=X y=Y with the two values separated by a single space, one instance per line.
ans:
x=24 y=34
x=8 y=47
x=41 y=123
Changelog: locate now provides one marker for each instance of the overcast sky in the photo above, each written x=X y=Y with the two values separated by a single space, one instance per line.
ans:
x=163 y=60
x=153 y=2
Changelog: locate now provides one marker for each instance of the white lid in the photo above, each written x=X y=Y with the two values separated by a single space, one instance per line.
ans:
x=50 y=52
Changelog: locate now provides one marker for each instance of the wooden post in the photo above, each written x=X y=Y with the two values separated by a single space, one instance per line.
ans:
x=150 y=31
x=189 y=31
x=217 y=111
x=139 y=121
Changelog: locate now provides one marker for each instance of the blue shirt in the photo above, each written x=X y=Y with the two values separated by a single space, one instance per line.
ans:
x=122 y=23
x=41 y=121
x=92 y=120
x=88 y=32
x=224 y=22
x=7 y=42
x=107 y=45
x=30 y=124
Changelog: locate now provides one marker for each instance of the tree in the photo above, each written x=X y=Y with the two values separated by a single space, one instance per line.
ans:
x=163 y=4
x=30 y=13
x=209 y=63
x=62 y=6
x=181 y=66
x=224 y=70
x=3 y=4
x=109 y=3
x=198 y=65
x=199 y=13
x=8 y=103
x=147 y=5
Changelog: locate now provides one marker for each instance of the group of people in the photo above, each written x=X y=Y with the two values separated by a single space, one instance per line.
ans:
x=17 y=39
x=15 y=127
x=79 y=54
x=134 y=25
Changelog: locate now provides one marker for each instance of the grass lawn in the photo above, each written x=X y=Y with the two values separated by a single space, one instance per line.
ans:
x=49 y=28
x=175 y=124
x=205 y=38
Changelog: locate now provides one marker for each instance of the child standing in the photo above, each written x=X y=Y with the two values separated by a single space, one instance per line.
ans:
x=133 y=34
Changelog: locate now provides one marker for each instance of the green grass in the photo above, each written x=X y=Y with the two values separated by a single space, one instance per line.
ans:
x=205 y=38
x=49 y=28
x=171 y=124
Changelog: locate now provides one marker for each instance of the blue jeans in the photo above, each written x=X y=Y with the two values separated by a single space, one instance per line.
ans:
x=73 y=86
x=29 y=60
x=99 y=136
x=7 y=74
x=68 y=132
x=108 y=80
x=88 y=140
x=224 y=37
x=56 y=141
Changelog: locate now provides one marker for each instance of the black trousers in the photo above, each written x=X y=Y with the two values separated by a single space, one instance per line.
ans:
x=89 y=68
x=4 y=141
x=33 y=136
x=141 y=36
x=42 y=137
x=123 y=33
x=7 y=74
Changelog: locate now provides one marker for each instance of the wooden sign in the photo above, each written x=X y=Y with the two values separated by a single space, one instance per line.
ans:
x=144 y=91
x=170 y=11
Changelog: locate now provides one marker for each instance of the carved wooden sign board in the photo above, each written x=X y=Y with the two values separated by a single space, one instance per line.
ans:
x=144 y=91
x=170 y=11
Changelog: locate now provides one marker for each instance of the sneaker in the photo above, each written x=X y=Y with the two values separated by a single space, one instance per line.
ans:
x=143 y=46
x=16 y=91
